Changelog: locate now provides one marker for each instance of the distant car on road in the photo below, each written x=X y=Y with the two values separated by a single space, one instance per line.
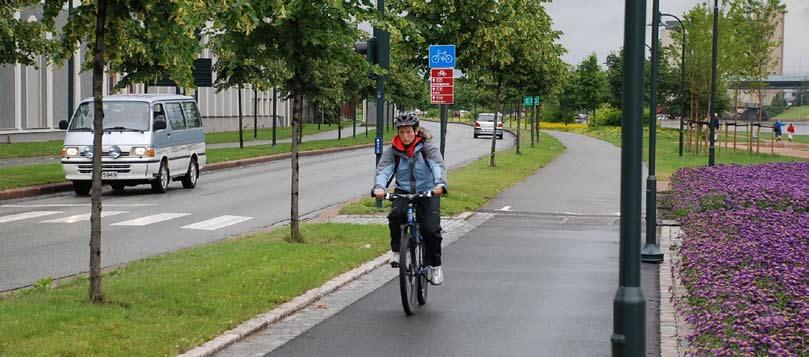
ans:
x=484 y=125
x=147 y=139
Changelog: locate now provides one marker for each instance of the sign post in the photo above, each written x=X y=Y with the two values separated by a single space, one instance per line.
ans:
x=442 y=91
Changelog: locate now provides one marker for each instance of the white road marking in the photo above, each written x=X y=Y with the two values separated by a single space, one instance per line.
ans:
x=505 y=208
x=26 y=215
x=83 y=217
x=79 y=205
x=218 y=222
x=155 y=218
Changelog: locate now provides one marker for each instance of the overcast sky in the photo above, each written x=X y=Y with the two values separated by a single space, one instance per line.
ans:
x=597 y=26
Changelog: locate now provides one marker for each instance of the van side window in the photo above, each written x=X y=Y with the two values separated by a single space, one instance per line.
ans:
x=175 y=114
x=191 y=115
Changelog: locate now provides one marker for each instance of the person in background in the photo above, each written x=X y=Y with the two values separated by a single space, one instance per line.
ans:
x=790 y=131
x=777 y=129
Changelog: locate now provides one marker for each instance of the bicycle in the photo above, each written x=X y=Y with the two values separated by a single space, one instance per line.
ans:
x=441 y=56
x=413 y=270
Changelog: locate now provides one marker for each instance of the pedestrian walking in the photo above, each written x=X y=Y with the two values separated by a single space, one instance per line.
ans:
x=777 y=129
x=715 y=125
x=790 y=131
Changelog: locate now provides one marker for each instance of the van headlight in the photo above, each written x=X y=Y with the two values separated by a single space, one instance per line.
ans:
x=70 y=151
x=143 y=151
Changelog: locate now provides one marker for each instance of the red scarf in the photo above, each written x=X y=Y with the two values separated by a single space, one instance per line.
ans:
x=410 y=149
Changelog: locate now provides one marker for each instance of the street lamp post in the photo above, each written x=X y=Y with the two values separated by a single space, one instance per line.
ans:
x=70 y=71
x=682 y=79
x=629 y=305
x=711 y=148
x=651 y=252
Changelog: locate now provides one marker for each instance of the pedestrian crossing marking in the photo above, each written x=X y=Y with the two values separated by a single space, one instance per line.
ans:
x=83 y=217
x=26 y=215
x=155 y=218
x=217 y=223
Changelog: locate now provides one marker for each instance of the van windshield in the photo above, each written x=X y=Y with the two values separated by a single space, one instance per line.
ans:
x=124 y=116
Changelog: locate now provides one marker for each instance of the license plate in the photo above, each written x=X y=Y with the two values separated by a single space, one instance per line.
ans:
x=109 y=175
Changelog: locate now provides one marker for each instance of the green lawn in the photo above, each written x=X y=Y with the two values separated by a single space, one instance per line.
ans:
x=171 y=303
x=668 y=160
x=795 y=113
x=20 y=176
x=54 y=148
x=472 y=186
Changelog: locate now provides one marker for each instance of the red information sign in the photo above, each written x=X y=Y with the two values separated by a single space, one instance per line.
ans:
x=443 y=90
x=441 y=86
x=443 y=99
x=441 y=73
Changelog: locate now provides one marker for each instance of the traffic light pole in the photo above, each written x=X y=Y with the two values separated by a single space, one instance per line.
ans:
x=382 y=57
x=629 y=304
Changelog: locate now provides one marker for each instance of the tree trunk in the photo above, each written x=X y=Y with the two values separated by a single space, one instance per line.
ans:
x=339 y=125
x=494 y=129
x=96 y=296
x=517 y=140
x=241 y=125
x=297 y=109
x=531 y=124
x=539 y=125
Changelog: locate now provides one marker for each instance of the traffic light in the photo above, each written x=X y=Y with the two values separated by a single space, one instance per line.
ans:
x=369 y=50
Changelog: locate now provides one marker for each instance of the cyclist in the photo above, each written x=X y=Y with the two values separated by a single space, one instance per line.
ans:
x=418 y=167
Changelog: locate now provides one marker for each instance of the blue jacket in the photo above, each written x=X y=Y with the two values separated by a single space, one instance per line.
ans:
x=420 y=167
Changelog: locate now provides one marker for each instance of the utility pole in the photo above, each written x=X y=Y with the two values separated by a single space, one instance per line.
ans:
x=629 y=305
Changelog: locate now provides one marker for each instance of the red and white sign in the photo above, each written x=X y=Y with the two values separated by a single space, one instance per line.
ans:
x=442 y=86
x=443 y=90
x=441 y=82
x=441 y=73
x=443 y=99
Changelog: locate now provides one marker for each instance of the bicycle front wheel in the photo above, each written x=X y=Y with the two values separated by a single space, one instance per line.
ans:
x=421 y=279
x=407 y=273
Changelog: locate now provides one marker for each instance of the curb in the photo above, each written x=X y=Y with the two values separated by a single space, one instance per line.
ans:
x=36 y=190
x=673 y=327
x=259 y=322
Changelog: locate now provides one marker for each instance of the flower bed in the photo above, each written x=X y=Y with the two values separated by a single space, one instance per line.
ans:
x=745 y=258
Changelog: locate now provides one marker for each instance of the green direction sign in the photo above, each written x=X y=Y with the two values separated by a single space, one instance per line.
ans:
x=536 y=100
x=528 y=101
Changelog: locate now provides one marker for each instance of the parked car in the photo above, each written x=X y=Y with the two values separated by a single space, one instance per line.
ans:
x=148 y=139
x=484 y=125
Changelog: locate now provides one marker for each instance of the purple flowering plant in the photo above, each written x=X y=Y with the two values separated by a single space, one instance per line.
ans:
x=744 y=258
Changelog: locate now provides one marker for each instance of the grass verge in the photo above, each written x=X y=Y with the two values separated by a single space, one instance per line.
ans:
x=21 y=176
x=472 y=186
x=54 y=148
x=171 y=303
x=668 y=159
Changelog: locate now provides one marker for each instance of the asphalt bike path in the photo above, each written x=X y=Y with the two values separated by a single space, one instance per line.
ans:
x=537 y=278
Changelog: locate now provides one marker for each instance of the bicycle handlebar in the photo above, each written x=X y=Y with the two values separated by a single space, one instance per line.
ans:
x=390 y=196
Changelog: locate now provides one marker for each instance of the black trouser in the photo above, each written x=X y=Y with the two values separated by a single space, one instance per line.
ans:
x=428 y=215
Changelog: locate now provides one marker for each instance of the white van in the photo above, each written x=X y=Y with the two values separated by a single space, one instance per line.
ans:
x=148 y=138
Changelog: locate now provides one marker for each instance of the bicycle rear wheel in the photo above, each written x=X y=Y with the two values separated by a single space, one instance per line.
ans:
x=421 y=281
x=407 y=273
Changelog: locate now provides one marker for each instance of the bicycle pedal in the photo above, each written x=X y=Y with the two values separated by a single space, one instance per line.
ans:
x=394 y=264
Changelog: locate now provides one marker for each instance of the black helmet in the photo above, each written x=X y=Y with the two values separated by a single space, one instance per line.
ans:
x=408 y=119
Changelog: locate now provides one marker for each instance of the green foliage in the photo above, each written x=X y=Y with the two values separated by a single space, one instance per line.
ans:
x=606 y=116
x=21 y=41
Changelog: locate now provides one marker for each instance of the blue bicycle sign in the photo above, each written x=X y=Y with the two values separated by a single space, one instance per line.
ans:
x=442 y=56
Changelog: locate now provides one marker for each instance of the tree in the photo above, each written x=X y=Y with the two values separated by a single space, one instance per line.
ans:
x=615 y=80
x=318 y=56
x=134 y=39
x=590 y=84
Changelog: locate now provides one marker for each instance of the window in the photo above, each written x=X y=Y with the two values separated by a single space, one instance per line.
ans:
x=191 y=115
x=175 y=116
x=118 y=115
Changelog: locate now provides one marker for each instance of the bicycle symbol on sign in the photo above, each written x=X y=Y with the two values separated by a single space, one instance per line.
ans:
x=441 y=57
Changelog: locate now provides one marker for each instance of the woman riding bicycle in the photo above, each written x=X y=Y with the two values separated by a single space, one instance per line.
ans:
x=418 y=167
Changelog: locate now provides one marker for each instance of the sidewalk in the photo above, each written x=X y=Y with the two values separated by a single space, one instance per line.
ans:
x=332 y=134
x=538 y=277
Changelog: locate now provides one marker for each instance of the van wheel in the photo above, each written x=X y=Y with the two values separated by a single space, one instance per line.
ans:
x=190 y=178
x=161 y=183
x=118 y=187
x=82 y=187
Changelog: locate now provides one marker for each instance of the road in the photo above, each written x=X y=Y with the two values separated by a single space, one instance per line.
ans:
x=49 y=236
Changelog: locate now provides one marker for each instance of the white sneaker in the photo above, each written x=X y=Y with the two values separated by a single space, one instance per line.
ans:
x=394 y=260
x=436 y=275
